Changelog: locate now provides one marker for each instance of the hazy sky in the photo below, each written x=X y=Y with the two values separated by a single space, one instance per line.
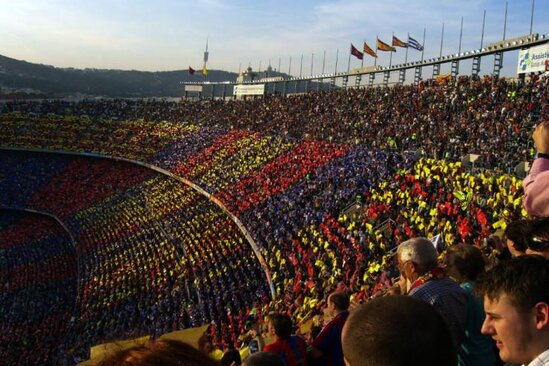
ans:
x=171 y=35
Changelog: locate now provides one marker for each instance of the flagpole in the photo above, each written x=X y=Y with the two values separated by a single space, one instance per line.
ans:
x=362 y=61
x=391 y=55
x=301 y=66
x=323 y=62
x=482 y=34
x=441 y=40
x=406 y=55
x=239 y=68
x=337 y=59
x=349 y=62
x=532 y=18
x=290 y=68
x=460 y=35
x=423 y=43
x=375 y=60
x=312 y=60
x=505 y=22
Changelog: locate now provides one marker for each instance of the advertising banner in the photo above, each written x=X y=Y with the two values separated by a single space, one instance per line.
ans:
x=253 y=89
x=193 y=88
x=533 y=59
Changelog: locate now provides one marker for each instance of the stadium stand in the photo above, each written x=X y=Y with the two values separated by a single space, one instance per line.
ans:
x=147 y=244
x=156 y=256
x=38 y=274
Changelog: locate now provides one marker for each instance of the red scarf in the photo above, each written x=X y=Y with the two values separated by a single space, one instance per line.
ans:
x=434 y=274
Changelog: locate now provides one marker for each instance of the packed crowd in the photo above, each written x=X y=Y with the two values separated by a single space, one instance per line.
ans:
x=130 y=139
x=38 y=278
x=146 y=245
x=154 y=256
x=306 y=263
x=440 y=312
x=492 y=118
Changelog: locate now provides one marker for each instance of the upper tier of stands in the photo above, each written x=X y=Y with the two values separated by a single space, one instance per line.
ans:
x=489 y=117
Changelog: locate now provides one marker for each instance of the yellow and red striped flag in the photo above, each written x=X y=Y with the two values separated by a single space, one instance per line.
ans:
x=398 y=43
x=382 y=46
x=369 y=51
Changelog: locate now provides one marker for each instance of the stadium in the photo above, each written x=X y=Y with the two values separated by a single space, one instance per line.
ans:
x=124 y=219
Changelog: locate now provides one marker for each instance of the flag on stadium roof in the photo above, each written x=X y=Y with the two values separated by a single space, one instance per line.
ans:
x=382 y=46
x=398 y=43
x=204 y=70
x=369 y=51
x=356 y=52
x=414 y=44
x=191 y=71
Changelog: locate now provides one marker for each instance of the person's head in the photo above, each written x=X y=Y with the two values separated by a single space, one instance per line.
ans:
x=338 y=302
x=395 y=331
x=538 y=241
x=231 y=358
x=516 y=302
x=160 y=353
x=280 y=325
x=416 y=257
x=313 y=333
x=517 y=234
x=464 y=262
x=264 y=359
x=205 y=343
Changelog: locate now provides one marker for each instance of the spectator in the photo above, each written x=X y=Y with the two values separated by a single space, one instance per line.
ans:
x=397 y=331
x=538 y=241
x=516 y=301
x=253 y=337
x=159 y=353
x=423 y=279
x=231 y=357
x=517 y=234
x=264 y=359
x=536 y=184
x=328 y=343
x=464 y=263
x=291 y=348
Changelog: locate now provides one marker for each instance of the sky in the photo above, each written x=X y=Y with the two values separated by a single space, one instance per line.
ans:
x=166 y=35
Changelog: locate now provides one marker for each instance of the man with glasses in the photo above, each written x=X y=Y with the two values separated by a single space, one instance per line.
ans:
x=538 y=241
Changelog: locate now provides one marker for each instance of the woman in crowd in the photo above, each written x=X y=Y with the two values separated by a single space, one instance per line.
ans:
x=464 y=263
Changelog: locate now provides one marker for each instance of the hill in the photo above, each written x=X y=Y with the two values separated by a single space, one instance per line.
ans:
x=21 y=79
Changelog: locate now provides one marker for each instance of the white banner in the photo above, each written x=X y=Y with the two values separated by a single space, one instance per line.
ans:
x=251 y=89
x=533 y=59
x=193 y=88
